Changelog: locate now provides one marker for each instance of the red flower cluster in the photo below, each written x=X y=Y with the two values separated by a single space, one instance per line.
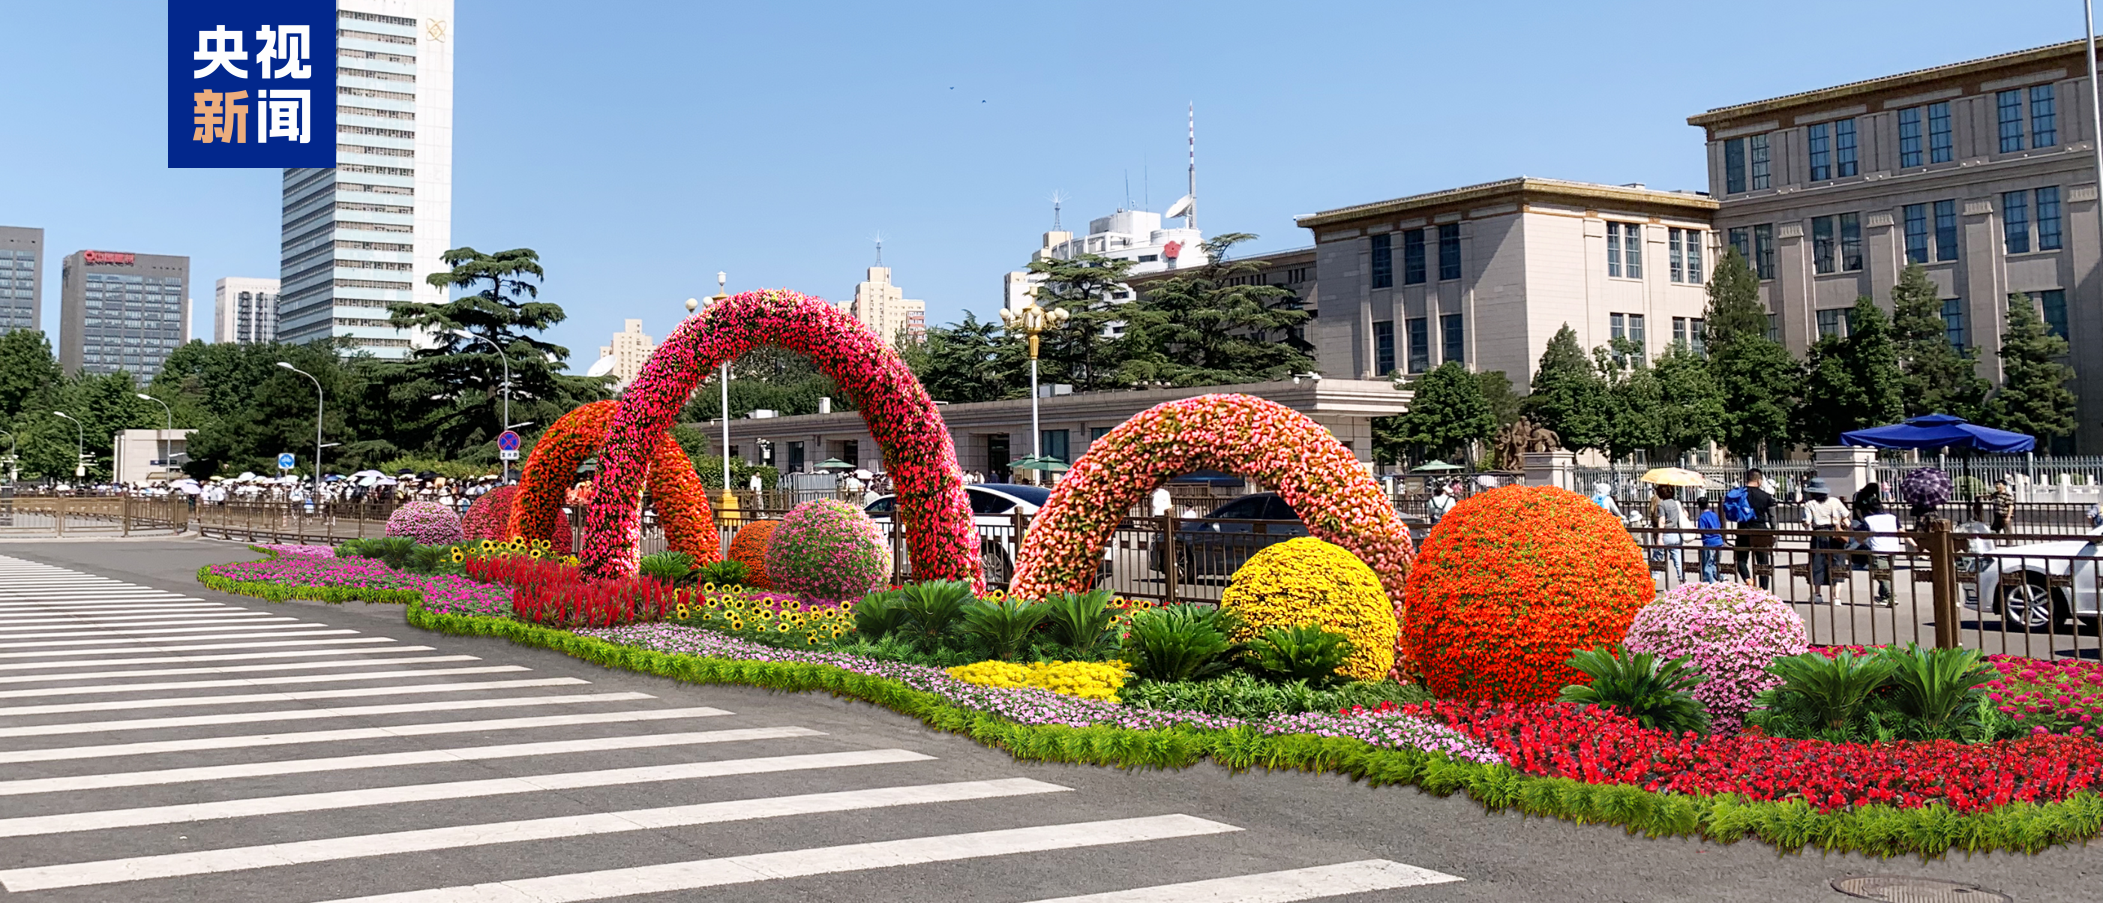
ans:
x=750 y=547
x=676 y=491
x=1510 y=583
x=490 y=516
x=902 y=418
x=1598 y=746
x=557 y=595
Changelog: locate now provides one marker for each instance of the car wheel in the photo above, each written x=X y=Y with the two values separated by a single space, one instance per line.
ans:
x=993 y=563
x=2029 y=606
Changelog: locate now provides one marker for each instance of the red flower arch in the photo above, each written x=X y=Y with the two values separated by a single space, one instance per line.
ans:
x=917 y=451
x=681 y=500
x=1240 y=434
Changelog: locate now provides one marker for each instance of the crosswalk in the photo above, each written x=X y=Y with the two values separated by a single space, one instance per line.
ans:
x=161 y=746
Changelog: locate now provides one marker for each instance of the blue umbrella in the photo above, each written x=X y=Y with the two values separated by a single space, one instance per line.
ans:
x=1940 y=431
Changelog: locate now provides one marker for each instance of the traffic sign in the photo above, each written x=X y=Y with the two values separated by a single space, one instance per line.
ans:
x=284 y=461
x=507 y=454
x=508 y=441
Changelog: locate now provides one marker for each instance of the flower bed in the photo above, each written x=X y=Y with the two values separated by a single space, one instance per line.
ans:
x=302 y=572
x=2061 y=696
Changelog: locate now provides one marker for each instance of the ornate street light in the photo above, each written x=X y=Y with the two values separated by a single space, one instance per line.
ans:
x=1034 y=321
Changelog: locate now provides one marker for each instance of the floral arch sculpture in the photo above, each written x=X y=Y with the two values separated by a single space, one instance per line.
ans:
x=682 y=502
x=917 y=451
x=1240 y=434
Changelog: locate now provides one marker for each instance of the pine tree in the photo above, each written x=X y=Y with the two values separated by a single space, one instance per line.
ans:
x=1758 y=378
x=1083 y=353
x=1446 y=413
x=2033 y=398
x=1568 y=395
x=1939 y=377
x=1216 y=324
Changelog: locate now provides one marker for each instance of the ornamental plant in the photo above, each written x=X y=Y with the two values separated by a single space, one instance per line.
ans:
x=1087 y=680
x=749 y=547
x=1510 y=583
x=490 y=516
x=676 y=492
x=428 y=523
x=828 y=549
x=1728 y=632
x=1306 y=581
x=1240 y=434
x=903 y=420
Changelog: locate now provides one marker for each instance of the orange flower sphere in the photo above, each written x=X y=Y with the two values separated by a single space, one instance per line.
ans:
x=1511 y=582
x=750 y=547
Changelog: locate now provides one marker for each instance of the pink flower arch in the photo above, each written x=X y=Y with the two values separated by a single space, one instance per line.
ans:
x=917 y=452
x=1240 y=434
x=680 y=499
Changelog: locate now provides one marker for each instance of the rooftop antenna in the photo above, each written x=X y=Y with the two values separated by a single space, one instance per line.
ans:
x=1128 y=191
x=1056 y=197
x=879 y=249
x=1187 y=205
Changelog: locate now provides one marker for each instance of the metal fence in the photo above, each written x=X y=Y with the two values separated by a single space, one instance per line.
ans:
x=55 y=517
x=294 y=522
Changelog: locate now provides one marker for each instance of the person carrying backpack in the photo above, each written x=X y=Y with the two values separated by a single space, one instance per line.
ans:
x=1440 y=503
x=1750 y=509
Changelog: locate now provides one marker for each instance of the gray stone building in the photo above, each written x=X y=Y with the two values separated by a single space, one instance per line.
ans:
x=122 y=311
x=21 y=278
x=1983 y=172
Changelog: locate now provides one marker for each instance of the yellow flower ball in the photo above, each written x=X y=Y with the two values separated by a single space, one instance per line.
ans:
x=1308 y=581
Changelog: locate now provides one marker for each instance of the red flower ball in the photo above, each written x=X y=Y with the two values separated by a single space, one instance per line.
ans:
x=490 y=516
x=750 y=547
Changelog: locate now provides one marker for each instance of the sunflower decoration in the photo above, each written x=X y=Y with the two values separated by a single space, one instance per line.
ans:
x=682 y=612
x=736 y=624
x=459 y=556
x=536 y=554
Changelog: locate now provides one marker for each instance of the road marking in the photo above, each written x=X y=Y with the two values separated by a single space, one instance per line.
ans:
x=84 y=627
x=153 y=631
x=833 y=860
x=455 y=755
x=174 y=702
x=308 y=714
x=249 y=681
x=17 y=605
x=70 y=822
x=1277 y=887
x=180 y=617
x=228 y=657
x=110 y=871
x=143 y=606
x=46 y=644
x=152 y=747
x=143 y=649
x=282 y=666
x=24 y=596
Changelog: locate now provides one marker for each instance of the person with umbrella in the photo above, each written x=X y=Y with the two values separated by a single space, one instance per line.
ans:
x=1665 y=515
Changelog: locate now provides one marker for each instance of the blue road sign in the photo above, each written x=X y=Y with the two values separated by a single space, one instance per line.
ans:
x=284 y=461
x=507 y=441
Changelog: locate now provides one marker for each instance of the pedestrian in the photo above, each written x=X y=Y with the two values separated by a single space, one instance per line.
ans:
x=1826 y=517
x=1603 y=496
x=1440 y=503
x=2003 y=504
x=1711 y=539
x=1883 y=543
x=1751 y=510
x=1665 y=517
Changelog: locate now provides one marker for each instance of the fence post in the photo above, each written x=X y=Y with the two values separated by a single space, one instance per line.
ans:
x=1168 y=559
x=1015 y=515
x=1942 y=561
x=124 y=515
x=58 y=508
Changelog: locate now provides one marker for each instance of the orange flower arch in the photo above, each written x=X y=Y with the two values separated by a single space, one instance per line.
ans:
x=681 y=500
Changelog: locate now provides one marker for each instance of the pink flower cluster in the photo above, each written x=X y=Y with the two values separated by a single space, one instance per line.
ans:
x=490 y=516
x=676 y=491
x=828 y=550
x=2061 y=696
x=1240 y=434
x=429 y=523
x=1729 y=632
x=903 y=419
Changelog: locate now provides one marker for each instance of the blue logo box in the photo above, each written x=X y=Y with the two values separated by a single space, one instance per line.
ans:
x=251 y=84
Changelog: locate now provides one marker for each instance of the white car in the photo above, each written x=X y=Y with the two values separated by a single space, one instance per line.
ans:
x=993 y=509
x=2036 y=586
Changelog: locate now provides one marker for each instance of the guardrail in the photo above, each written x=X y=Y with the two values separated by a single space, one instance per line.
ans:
x=57 y=516
x=294 y=522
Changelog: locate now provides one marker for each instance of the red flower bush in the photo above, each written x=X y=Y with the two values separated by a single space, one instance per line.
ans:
x=558 y=595
x=1239 y=434
x=901 y=417
x=1510 y=583
x=490 y=516
x=750 y=547
x=676 y=491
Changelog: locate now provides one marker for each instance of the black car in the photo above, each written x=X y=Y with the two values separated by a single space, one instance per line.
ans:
x=1219 y=543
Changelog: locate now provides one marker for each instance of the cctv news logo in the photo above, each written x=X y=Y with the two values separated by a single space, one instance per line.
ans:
x=252 y=84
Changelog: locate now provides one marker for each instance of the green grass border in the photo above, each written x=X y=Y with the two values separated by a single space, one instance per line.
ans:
x=1788 y=826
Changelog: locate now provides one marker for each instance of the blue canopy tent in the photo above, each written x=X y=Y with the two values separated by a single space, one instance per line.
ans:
x=1941 y=431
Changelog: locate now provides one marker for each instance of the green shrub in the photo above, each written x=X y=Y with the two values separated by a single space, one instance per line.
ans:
x=1179 y=642
x=393 y=551
x=1658 y=695
x=433 y=560
x=726 y=574
x=1939 y=688
x=879 y=615
x=1241 y=695
x=1080 y=621
x=670 y=568
x=1003 y=625
x=931 y=607
x=1301 y=652
x=1826 y=693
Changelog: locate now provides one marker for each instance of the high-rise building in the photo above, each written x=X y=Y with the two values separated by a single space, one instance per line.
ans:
x=885 y=309
x=363 y=236
x=1131 y=235
x=122 y=311
x=623 y=360
x=245 y=310
x=21 y=278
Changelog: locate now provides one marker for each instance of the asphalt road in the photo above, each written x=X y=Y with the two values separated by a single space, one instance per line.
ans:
x=353 y=757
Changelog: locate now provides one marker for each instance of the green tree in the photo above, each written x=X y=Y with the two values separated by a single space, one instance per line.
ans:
x=1497 y=392
x=1631 y=401
x=1088 y=287
x=1568 y=396
x=768 y=378
x=975 y=360
x=1216 y=324
x=1852 y=382
x=1446 y=412
x=1757 y=377
x=2034 y=398
x=1690 y=405
x=27 y=368
x=276 y=412
x=1939 y=377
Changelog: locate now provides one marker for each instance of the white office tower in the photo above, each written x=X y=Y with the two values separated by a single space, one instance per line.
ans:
x=885 y=309
x=624 y=358
x=363 y=236
x=244 y=310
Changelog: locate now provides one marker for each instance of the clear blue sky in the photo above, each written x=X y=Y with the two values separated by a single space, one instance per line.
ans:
x=640 y=147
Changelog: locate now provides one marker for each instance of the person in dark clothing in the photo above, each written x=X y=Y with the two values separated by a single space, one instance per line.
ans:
x=1750 y=546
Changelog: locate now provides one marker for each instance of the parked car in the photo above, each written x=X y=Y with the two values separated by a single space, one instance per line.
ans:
x=1219 y=543
x=993 y=508
x=2038 y=585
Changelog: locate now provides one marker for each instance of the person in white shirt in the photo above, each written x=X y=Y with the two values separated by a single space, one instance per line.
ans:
x=1824 y=515
x=1883 y=544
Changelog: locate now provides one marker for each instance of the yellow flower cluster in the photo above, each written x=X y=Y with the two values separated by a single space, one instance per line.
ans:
x=1088 y=680
x=1308 y=581
x=734 y=611
x=536 y=549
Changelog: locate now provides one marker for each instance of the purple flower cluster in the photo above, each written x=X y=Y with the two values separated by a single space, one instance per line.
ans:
x=339 y=580
x=429 y=523
x=1028 y=705
x=1730 y=632
x=299 y=550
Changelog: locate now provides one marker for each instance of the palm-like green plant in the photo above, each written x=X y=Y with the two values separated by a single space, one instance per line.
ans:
x=1004 y=625
x=1180 y=642
x=725 y=573
x=670 y=568
x=1301 y=652
x=1658 y=695
x=1080 y=621
x=1829 y=692
x=931 y=607
x=879 y=614
x=1935 y=685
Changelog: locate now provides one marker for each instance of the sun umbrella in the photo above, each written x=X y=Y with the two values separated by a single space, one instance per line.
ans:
x=1039 y=462
x=834 y=464
x=1674 y=476
x=367 y=473
x=1435 y=467
x=1940 y=431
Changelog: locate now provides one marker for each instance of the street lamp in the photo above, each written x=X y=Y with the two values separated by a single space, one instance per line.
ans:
x=319 y=401
x=691 y=304
x=1034 y=321
x=171 y=426
x=80 y=447
x=507 y=387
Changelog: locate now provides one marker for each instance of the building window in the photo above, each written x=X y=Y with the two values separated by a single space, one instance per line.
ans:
x=1383 y=261
x=1419 y=344
x=1916 y=233
x=1383 y=347
x=1909 y=137
x=1449 y=251
x=1774 y=327
x=1676 y=259
x=1613 y=249
x=2048 y=219
x=2052 y=304
x=1822 y=241
x=2010 y=107
x=2044 y=118
x=1939 y=141
x=1832 y=323
x=1055 y=445
x=1694 y=253
x=1758 y=146
x=1945 y=230
x=1844 y=148
x=1741 y=241
x=1413 y=257
x=1763 y=250
x=1691 y=333
x=1624 y=250
x=1734 y=166
x=1953 y=322
x=2015 y=221
x=1630 y=327
x=1450 y=337
x=1821 y=147
x=1097 y=432
x=1851 y=241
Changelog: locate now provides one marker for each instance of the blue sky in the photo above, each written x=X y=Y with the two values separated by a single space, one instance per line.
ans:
x=640 y=147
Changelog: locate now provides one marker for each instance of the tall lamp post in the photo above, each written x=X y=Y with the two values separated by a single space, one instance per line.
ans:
x=80 y=447
x=501 y=356
x=724 y=412
x=164 y=433
x=319 y=401
x=1034 y=321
